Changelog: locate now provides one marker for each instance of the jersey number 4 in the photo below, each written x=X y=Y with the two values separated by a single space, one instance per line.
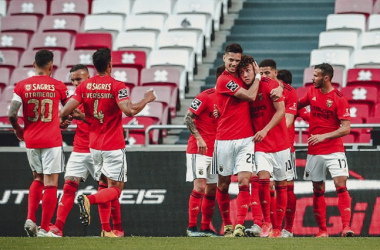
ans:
x=98 y=114
x=46 y=104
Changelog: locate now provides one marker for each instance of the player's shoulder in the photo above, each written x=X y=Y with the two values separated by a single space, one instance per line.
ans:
x=289 y=88
x=338 y=93
x=208 y=91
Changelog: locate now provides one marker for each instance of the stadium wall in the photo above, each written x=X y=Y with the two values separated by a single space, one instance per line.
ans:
x=154 y=201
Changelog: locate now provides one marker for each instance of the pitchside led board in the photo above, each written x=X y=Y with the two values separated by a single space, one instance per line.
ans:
x=154 y=201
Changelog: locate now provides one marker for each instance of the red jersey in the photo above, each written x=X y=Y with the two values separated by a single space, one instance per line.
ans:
x=203 y=107
x=326 y=112
x=234 y=122
x=81 y=138
x=100 y=96
x=262 y=111
x=291 y=100
x=40 y=97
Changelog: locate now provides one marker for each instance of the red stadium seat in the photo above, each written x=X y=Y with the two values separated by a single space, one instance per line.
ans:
x=129 y=58
x=51 y=40
x=13 y=41
x=73 y=57
x=301 y=91
x=61 y=23
x=359 y=110
x=137 y=136
x=30 y=7
x=63 y=74
x=27 y=59
x=20 y=74
x=364 y=77
x=350 y=138
x=24 y=24
x=130 y=76
x=9 y=59
x=361 y=95
x=68 y=7
x=93 y=41
x=4 y=78
x=336 y=81
x=353 y=7
x=356 y=131
x=376 y=7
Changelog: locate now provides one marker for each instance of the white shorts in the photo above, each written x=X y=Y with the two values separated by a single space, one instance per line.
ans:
x=112 y=163
x=199 y=167
x=291 y=171
x=46 y=160
x=233 y=156
x=80 y=165
x=316 y=166
x=274 y=163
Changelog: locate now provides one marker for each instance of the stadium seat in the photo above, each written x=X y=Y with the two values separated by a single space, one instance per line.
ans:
x=359 y=110
x=129 y=58
x=3 y=8
x=30 y=7
x=338 y=40
x=301 y=137
x=25 y=24
x=353 y=7
x=73 y=57
x=7 y=94
x=114 y=7
x=27 y=59
x=19 y=74
x=334 y=57
x=68 y=7
x=376 y=7
x=4 y=78
x=347 y=22
x=9 y=59
x=130 y=76
x=350 y=138
x=374 y=22
x=356 y=131
x=137 y=136
x=301 y=91
x=51 y=40
x=337 y=80
x=377 y=110
x=61 y=23
x=162 y=7
x=63 y=74
x=112 y=24
x=93 y=41
x=13 y=41
x=367 y=58
x=370 y=40
x=146 y=22
x=364 y=77
x=136 y=40
x=362 y=95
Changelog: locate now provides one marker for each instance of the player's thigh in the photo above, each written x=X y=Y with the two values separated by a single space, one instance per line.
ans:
x=78 y=165
x=199 y=166
x=315 y=169
x=34 y=159
x=291 y=173
x=281 y=164
x=245 y=160
x=223 y=160
x=115 y=165
x=53 y=160
x=337 y=165
x=264 y=162
x=97 y=158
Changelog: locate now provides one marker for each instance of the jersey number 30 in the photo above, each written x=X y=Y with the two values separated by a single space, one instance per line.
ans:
x=45 y=116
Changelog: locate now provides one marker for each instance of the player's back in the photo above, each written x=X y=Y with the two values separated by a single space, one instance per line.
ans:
x=40 y=97
x=99 y=97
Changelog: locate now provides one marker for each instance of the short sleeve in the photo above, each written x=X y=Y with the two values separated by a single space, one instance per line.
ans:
x=305 y=101
x=198 y=104
x=291 y=102
x=121 y=92
x=226 y=85
x=343 y=111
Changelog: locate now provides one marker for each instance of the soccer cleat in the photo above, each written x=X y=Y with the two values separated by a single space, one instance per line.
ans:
x=31 y=228
x=193 y=232
x=55 y=230
x=208 y=233
x=107 y=234
x=322 y=234
x=118 y=233
x=265 y=229
x=275 y=233
x=347 y=232
x=43 y=233
x=84 y=207
x=239 y=231
x=254 y=231
x=228 y=231
x=286 y=234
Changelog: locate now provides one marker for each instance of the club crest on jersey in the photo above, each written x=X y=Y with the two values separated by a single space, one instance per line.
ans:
x=260 y=96
x=89 y=86
x=329 y=103
x=307 y=173
x=28 y=87
x=196 y=104
x=231 y=85
x=122 y=93
x=221 y=168
x=201 y=171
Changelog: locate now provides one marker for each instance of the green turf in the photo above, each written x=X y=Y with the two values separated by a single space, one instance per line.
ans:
x=182 y=243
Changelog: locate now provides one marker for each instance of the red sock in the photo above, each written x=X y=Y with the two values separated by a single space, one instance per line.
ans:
x=281 y=201
x=208 y=207
x=104 y=210
x=290 y=209
x=195 y=202
x=104 y=195
x=34 y=198
x=223 y=198
x=265 y=198
x=66 y=203
x=49 y=202
x=319 y=204
x=116 y=215
x=344 y=204
x=272 y=206
x=242 y=204
x=257 y=214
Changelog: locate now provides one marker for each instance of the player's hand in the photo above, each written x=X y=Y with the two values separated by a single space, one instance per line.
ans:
x=256 y=67
x=19 y=131
x=65 y=124
x=259 y=136
x=202 y=147
x=314 y=139
x=150 y=95
x=276 y=93
x=77 y=115
x=215 y=112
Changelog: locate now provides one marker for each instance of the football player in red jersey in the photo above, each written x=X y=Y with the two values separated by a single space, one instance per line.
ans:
x=329 y=121
x=39 y=97
x=104 y=99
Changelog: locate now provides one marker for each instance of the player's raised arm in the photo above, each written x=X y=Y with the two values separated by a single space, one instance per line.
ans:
x=131 y=109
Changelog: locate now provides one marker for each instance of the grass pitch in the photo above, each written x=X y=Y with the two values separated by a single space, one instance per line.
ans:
x=183 y=243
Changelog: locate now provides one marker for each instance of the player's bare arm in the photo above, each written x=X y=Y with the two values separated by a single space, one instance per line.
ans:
x=131 y=109
x=67 y=110
x=289 y=119
x=12 y=116
x=189 y=121
x=343 y=130
x=280 y=113
x=276 y=93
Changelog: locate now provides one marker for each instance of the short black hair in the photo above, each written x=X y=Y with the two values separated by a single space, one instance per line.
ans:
x=43 y=58
x=101 y=58
x=220 y=70
x=78 y=67
x=268 y=63
x=234 y=48
x=245 y=61
x=326 y=69
x=285 y=76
